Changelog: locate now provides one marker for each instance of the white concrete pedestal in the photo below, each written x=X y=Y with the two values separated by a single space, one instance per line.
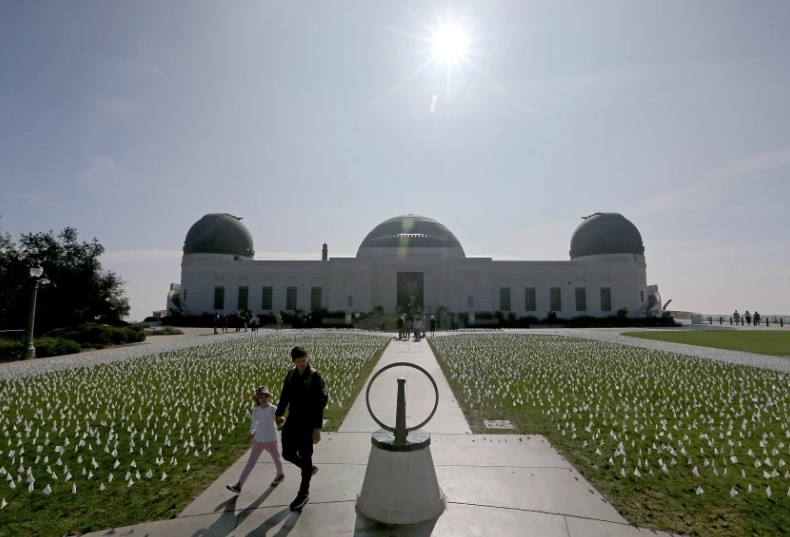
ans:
x=400 y=485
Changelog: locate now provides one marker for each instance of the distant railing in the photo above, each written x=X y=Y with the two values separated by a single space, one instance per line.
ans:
x=719 y=319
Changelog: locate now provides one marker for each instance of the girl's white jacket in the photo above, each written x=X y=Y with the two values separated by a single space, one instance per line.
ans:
x=262 y=423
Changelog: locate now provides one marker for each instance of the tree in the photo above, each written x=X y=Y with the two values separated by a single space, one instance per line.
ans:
x=77 y=289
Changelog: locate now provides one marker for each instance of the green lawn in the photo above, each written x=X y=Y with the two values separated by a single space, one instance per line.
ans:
x=118 y=444
x=775 y=343
x=674 y=442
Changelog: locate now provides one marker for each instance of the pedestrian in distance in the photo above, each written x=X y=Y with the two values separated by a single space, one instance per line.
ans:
x=748 y=317
x=304 y=397
x=263 y=435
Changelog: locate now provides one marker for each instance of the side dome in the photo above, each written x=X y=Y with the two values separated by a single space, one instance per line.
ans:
x=219 y=233
x=606 y=233
x=411 y=231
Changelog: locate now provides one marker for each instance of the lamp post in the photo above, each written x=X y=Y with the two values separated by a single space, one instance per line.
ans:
x=30 y=350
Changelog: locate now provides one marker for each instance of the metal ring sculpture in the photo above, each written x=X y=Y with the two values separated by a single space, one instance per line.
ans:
x=404 y=364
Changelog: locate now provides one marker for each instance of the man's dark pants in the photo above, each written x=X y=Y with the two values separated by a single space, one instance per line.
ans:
x=298 y=449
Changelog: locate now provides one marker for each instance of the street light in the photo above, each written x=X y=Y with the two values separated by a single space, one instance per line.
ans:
x=30 y=350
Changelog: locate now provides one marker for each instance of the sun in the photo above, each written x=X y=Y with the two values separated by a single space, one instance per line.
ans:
x=450 y=43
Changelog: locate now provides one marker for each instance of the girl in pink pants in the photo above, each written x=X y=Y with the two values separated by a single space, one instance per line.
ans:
x=264 y=432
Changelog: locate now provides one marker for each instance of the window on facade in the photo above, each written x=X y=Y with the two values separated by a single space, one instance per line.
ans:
x=350 y=301
x=290 y=298
x=219 y=298
x=244 y=295
x=470 y=301
x=555 y=299
x=581 y=299
x=530 y=299
x=504 y=299
x=266 y=300
x=315 y=298
x=606 y=299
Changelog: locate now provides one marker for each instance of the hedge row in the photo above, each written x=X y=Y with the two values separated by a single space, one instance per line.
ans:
x=72 y=340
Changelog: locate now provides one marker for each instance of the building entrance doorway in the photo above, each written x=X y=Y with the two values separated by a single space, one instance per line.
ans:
x=410 y=292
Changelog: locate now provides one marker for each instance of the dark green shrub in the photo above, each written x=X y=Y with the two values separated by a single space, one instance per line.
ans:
x=165 y=331
x=11 y=349
x=100 y=335
x=55 y=346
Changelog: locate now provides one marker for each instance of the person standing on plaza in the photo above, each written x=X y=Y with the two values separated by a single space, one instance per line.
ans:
x=736 y=317
x=305 y=397
x=399 y=326
x=263 y=435
x=748 y=317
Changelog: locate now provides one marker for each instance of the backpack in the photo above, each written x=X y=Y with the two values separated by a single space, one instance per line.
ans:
x=309 y=381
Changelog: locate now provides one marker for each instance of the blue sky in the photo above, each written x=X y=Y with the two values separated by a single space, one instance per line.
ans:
x=316 y=121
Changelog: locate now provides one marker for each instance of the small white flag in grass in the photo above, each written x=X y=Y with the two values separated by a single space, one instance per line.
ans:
x=109 y=478
x=11 y=484
x=164 y=476
x=137 y=475
x=149 y=474
x=733 y=492
x=699 y=490
x=695 y=472
x=749 y=490
x=187 y=467
x=74 y=488
x=47 y=490
x=133 y=464
x=768 y=492
x=129 y=483
x=116 y=464
x=101 y=487
x=68 y=476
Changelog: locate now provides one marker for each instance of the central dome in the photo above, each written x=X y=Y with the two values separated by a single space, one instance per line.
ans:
x=412 y=231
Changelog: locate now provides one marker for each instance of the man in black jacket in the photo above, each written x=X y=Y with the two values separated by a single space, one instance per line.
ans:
x=305 y=397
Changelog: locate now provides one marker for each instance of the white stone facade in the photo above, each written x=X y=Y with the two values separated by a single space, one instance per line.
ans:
x=449 y=279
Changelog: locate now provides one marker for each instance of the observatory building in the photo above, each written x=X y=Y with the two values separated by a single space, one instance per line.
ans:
x=413 y=263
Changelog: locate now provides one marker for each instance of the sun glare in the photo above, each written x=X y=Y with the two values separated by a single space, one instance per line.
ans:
x=449 y=43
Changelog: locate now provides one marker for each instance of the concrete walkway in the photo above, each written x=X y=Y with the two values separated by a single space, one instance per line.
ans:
x=493 y=484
